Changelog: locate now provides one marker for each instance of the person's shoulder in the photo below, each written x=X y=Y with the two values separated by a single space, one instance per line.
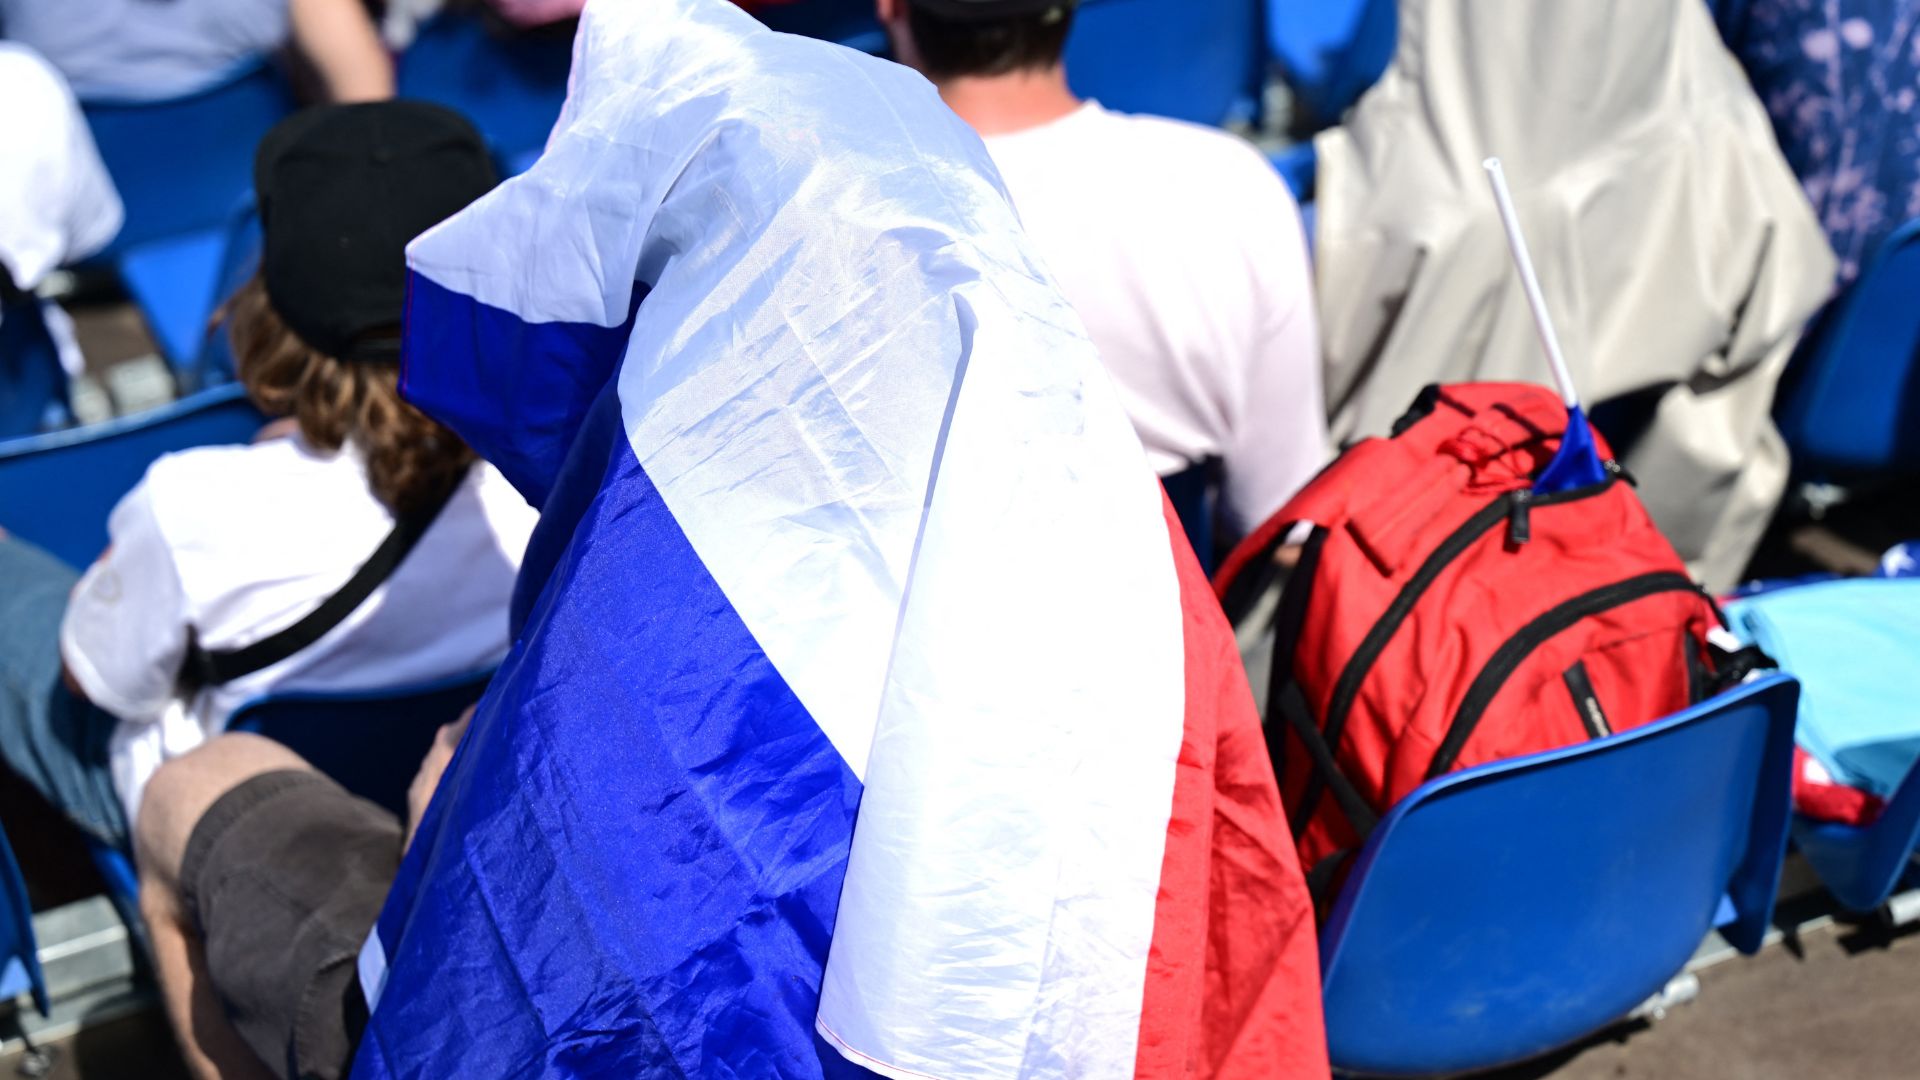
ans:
x=232 y=462
x=208 y=485
x=1202 y=160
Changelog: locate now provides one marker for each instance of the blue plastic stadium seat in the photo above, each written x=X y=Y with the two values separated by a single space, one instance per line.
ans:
x=173 y=281
x=1299 y=166
x=1503 y=911
x=370 y=741
x=182 y=164
x=1862 y=865
x=33 y=385
x=1329 y=52
x=1196 y=60
x=239 y=260
x=1851 y=404
x=19 y=956
x=57 y=490
x=511 y=88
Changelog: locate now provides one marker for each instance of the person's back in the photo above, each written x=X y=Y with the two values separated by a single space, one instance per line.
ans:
x=225 y=563
x=225 y=545
x=57 y=206
x=1179 y=247
x=1677 y=254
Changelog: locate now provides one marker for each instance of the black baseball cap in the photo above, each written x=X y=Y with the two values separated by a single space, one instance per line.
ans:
x=341 y=190
x=983 y=10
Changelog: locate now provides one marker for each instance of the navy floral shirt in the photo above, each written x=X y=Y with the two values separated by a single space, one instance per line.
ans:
x=1841 y=80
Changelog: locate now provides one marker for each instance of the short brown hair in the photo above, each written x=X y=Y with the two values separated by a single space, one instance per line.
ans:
x=412 y=460
x=957 y=48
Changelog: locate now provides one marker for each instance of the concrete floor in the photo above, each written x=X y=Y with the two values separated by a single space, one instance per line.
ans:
x=1843 y=1003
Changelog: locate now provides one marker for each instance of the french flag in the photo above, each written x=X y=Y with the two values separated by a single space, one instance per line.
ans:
x=867 y=712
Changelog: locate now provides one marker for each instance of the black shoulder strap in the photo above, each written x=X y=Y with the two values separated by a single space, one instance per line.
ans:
x=1292 y=705
x=213 y=668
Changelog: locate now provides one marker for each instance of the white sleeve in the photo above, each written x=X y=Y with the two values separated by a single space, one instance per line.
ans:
x=125 y=633
x=1278 y=439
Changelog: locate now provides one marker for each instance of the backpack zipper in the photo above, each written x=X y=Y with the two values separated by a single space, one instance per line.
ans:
x=1507 y=659
x=1347 y=688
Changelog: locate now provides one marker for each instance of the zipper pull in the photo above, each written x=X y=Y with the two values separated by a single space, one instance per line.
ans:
x=1519 y=524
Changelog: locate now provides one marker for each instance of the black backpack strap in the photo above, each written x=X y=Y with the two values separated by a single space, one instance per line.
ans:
x=1289 y=617
x=1320 y=881
x=1730 y=667
x=214 y=667
x=1292 y=704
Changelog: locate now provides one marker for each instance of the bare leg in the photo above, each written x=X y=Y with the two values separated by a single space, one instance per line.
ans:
x=212 y=1049
x=175 y=800
x=338 y=40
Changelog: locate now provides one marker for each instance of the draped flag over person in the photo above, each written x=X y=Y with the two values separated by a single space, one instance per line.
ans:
x=867 y=713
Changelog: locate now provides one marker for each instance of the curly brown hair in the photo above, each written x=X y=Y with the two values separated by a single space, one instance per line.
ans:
x=412 y=460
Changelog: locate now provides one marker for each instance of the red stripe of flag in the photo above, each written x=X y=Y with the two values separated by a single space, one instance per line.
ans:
x=1233 y=976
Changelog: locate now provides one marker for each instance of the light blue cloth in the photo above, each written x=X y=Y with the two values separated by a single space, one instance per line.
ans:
x=146 y=50
x=1854 y=644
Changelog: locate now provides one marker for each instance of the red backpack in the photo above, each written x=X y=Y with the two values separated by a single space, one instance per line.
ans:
x=1441 y=615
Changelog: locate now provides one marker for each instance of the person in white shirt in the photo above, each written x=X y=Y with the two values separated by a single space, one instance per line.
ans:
x=57 y=206
x=1179 y=246
x=221 y=547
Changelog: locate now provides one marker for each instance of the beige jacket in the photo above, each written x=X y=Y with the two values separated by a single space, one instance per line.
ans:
x=1674 y=246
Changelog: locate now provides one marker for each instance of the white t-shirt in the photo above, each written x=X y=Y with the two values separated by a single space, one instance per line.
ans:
x=1181 y=249
x=57 y=203
x=239 y=542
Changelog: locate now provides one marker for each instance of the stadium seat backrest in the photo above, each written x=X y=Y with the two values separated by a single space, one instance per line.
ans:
x=1194 y=60
x=1853 y=405
x=1329 y=52
x=31 y=380
x=1502 y=911
x=57 y=490
x=1862 y=865
x=511 y=88
x=181 y=164
x=370 y=741
x=19 y=956
x=240 y=250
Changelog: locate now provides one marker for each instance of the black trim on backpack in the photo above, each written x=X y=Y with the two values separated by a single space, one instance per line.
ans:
x=203 y=667
x=1320 y=880
x=1700 y=680
x=1730 y=669
x=1292 y=705
x=1586 y=703
x=1288 y=618
x=1544 y=627
x=1430 y=397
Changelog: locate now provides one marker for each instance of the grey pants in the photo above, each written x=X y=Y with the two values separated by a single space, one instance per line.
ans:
x=48 y=737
